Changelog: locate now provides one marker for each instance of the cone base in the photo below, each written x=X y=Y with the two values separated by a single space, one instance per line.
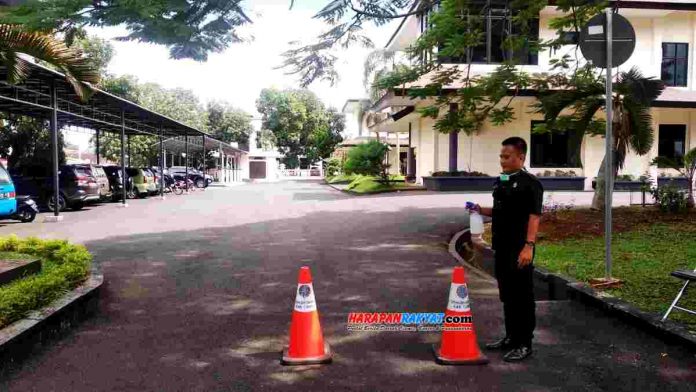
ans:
x=326 y=358
x=482 y=360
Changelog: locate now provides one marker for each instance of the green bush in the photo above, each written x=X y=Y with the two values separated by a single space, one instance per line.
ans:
x=460 y=174
x=670 y=198
x=64 y=267
x=366 y=159
x=333 y=167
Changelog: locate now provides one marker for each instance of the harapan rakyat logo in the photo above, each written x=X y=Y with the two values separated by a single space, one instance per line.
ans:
x=304 y=291
x=462 y=292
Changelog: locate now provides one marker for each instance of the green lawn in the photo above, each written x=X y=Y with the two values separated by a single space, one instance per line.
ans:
x=643 y=257
x=368 y=185
x=14 y=256
x=342 y=179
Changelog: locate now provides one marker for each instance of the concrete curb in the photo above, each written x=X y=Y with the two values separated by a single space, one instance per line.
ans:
x=558 y=287
x=348 y=192
x=470 y=267
x=21 y=338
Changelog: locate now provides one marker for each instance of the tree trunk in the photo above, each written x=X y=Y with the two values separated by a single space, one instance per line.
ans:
x=598 y=198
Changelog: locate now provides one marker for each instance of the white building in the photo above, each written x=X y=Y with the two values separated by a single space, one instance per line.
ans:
x=665 y=48
x=264 y=162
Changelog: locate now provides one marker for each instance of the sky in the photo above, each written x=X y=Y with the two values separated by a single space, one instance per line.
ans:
x=238 y=74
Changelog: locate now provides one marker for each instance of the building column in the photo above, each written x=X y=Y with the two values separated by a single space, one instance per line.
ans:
x=97 y=142
x=410 y=158
x=436 y=150
x=453 y=142
x=397 y=157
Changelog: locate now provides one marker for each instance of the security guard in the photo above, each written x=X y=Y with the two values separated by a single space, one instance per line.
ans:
x=517 y=207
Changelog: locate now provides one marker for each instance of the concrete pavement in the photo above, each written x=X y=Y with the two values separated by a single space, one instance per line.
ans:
x=200 y=289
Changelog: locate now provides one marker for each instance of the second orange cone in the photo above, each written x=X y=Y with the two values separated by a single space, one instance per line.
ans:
x=459 y=346
x=307 y=344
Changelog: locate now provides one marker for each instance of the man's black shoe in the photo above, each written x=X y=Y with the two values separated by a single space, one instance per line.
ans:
x=502 y=344
x=518 y=354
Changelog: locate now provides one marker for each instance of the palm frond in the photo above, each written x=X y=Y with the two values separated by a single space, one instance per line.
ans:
x=77 y=69
x=636 y=87
x=641 y=134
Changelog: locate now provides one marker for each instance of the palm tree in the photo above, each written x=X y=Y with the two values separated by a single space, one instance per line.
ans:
x=584 y=95
x=15 y=41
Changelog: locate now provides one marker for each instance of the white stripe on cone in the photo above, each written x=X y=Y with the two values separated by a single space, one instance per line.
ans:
x=304 y=300
x=458 y=298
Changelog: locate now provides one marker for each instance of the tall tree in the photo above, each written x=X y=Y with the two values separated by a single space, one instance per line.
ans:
x=25 y=140
x=191 y=29
x=229 y=124
x=300 y=123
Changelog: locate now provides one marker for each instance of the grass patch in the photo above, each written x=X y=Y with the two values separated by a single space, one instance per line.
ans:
x=368 y=185
x=14 y=256
x=342 y=179
x=64 y=267
x=644 y=255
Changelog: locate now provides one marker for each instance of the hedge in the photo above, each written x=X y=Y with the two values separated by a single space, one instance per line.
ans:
x=64 y=267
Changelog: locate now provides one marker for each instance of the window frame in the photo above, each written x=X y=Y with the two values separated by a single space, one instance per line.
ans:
x=675 y=61
x=684 y=129
x=569 y=155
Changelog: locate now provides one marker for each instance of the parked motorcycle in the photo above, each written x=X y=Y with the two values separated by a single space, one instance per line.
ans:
x=26 y=209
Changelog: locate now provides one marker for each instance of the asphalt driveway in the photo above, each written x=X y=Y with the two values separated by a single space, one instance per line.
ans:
x=200 y=290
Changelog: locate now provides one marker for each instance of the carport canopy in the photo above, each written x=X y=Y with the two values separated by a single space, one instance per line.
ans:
x=46 y=94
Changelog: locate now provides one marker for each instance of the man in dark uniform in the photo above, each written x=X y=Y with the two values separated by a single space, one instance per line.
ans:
x=517 y=207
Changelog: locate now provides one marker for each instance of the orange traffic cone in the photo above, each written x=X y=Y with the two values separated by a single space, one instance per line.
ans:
x=307 y=344
x=459 y=347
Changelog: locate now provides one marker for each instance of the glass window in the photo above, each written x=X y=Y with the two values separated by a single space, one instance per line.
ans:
x=672 y=141
x=553 y=150
x=675 y=64
x=4 y=176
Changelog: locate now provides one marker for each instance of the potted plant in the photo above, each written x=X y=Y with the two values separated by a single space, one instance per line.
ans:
x=560 y=180
x=626 y=182
x=686 y=167
x=459 y=181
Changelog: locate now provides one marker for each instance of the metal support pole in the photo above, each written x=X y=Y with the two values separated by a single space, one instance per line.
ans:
x=98 y=154
x=130 y=159
x=186 y=159
x=161 y=160
x=609 y=161
x=123 y=157
x=205 y=166
x=54 y=147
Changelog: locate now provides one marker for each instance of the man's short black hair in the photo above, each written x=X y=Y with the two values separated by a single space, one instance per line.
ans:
x=517 y=142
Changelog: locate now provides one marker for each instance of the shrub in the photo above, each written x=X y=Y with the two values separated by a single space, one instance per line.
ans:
x=366 y=159
x=333 y=167
x=670 y=198
x=625 y=177
x=459 y=174
x=557 y=173
x=64 y=267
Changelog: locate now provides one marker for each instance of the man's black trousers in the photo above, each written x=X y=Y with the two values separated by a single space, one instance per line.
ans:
x=517 y=294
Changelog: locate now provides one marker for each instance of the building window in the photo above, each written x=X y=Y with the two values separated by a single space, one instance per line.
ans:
x=675 y=64
x=672 y=142
x=554 y=150
x=497 y=24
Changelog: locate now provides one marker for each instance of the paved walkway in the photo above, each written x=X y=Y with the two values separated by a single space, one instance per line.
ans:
x=200 y=289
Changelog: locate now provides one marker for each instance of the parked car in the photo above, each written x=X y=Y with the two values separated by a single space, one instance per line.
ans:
x=77 y=185
x=8 y=202
x=194 y=175
x=140 y=187
x=105 y=191
x=153 y=185
x=115 y=176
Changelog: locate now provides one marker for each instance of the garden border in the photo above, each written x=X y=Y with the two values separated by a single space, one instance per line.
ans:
x=23 y=337
x=559 y=287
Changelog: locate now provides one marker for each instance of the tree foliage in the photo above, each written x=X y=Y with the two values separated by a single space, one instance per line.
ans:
x=25 y=140
x=366 y=159
x=229 y=124
x=300 y=123
x=191 y=29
